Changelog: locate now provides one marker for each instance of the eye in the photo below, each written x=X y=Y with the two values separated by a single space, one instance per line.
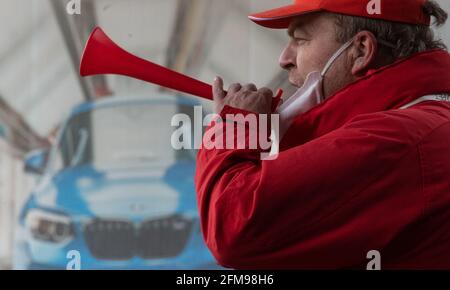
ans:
x=300 y=40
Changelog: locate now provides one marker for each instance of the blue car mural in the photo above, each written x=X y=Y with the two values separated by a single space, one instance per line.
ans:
x=113 y=190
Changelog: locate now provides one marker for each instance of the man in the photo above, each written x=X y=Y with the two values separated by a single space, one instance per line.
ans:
x=363 y=165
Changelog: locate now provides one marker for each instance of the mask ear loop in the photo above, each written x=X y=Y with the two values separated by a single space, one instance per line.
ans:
x=343 y=48
x=330 y=62
x=335 y=56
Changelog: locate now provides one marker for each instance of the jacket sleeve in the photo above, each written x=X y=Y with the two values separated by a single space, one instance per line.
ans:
x=323 y=204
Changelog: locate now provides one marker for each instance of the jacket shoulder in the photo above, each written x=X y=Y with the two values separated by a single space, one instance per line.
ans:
x=411 y=125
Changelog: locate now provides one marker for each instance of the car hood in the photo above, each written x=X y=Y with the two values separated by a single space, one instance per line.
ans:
x=131 y=193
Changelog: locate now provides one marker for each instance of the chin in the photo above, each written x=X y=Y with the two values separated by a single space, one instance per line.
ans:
x=294 y=82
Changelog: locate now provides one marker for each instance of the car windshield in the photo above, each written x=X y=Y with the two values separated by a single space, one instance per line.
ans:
x=132 y=134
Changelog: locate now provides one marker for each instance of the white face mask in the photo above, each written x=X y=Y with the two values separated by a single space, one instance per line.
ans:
x=308 y=96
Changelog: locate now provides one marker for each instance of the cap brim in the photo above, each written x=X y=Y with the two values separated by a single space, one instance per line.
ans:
x=280 y=18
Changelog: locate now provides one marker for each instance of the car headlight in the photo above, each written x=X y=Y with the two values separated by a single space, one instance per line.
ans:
x=49 y=227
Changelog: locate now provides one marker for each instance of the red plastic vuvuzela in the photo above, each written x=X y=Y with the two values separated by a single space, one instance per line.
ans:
x=102 y=56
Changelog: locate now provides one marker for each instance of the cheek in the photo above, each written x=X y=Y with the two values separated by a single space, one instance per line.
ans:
x=305 y=64
x=310 y=58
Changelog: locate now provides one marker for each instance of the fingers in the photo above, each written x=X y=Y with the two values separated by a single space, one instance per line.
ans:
x=246 y=97
x=266 y=92
x=218 y=92
x=234 y=88
x=250 y=87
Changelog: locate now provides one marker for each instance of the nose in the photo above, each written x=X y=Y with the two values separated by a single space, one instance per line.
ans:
x=288 y=57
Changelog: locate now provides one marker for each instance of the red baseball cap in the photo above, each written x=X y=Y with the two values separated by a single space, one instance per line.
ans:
x=405 y=11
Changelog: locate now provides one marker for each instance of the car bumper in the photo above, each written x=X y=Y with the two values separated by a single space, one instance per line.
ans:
x=31 y=254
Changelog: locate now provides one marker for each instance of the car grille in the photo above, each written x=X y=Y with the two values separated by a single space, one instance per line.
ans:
x=123 y=240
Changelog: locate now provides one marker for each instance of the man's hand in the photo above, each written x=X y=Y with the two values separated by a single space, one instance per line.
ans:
x=246 y=97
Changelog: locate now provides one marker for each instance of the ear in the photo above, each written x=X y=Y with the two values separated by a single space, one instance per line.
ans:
x=363 y=53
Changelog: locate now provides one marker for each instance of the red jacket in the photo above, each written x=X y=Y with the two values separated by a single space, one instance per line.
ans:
x=354 y=174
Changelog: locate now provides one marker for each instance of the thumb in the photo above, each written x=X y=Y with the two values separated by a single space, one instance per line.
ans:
x=218 y=92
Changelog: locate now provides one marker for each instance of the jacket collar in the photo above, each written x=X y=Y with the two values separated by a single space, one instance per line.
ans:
x=387 y=88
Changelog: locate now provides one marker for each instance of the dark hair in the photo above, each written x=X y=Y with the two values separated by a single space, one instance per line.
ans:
x=407 y=39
